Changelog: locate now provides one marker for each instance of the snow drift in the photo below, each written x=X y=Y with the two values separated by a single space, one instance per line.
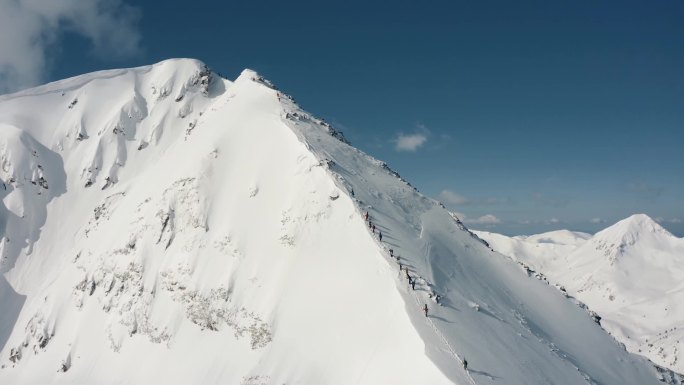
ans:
x=164 y=225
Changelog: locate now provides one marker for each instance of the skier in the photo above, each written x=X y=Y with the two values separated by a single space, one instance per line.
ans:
x=413 y=285
x=370 y=224
x=366 y=215
x=391 y=253
x=380 y=235
x=465 y=364
x=425 y=309
x=373 y=227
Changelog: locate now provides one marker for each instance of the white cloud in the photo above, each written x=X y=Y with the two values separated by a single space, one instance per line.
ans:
x=487 y=219
x=29 y=29
x=554 y=220
x=450 y=197
x=410 y=142
x=675 y=220
x=597 y=220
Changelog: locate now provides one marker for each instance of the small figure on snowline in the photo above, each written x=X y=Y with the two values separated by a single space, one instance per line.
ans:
x=391 y=253
x=370 y=224
x=373 y=228
x=400 y=267
x=407 y=273
x=465 y=364
x=380 y=235
x=425 y=310
x=366 y=216
x=413 y=284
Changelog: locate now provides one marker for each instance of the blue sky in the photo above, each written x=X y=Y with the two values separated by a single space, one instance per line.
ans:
x=523 y=116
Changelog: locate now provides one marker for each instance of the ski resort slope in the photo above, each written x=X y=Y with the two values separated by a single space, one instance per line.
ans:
x=165 y=225
x=629 y=273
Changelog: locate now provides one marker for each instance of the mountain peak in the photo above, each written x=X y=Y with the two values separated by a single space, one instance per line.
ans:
x=616 y=239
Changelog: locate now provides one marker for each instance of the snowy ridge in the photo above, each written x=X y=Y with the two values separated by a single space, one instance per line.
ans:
x=629 y=273
x=218 y=228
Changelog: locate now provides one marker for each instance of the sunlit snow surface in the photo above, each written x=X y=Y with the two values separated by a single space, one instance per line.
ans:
x=164 y=225
x=631 y=274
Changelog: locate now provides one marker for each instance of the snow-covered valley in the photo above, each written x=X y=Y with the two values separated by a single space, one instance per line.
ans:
x=165 y=225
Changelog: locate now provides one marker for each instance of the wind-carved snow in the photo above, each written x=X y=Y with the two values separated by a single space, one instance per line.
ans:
x=214 y=231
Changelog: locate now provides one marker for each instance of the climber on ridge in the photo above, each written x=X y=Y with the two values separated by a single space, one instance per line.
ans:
x=425 y=310
x=366 y=216
x=380 y=235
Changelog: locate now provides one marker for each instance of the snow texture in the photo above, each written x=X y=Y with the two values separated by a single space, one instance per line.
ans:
x=630 y=274
x=164 y=225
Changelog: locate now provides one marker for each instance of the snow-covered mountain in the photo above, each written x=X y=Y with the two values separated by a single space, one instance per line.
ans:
x=164 y=225
x=631 y=274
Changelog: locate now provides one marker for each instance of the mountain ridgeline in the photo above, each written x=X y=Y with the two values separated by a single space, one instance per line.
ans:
x=163 y=224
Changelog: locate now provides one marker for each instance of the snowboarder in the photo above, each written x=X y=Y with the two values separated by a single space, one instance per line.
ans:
x=465 y=364
x=425 y=309
x=380 y=235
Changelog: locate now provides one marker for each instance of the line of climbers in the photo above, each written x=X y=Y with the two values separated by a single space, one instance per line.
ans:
x=411 y=280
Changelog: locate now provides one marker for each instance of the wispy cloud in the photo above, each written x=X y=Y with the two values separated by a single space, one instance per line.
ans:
x=554 y=221
x=597 y=220
x=550 y=200
x=412 y=142
x=31 y=28
x=450 y=197
x=671 y=220
x=487 y=219
x=645 y=190
x=454 y=198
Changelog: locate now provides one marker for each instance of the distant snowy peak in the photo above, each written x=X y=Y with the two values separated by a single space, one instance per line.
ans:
x=617 y=239
x=558 y=237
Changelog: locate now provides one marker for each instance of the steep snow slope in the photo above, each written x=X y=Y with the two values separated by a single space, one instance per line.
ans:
x=163 y=225
x=630 y=274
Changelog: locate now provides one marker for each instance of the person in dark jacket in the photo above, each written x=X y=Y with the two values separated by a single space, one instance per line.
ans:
x=425 y=309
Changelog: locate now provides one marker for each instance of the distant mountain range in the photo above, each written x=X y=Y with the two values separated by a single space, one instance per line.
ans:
x=631 y=274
